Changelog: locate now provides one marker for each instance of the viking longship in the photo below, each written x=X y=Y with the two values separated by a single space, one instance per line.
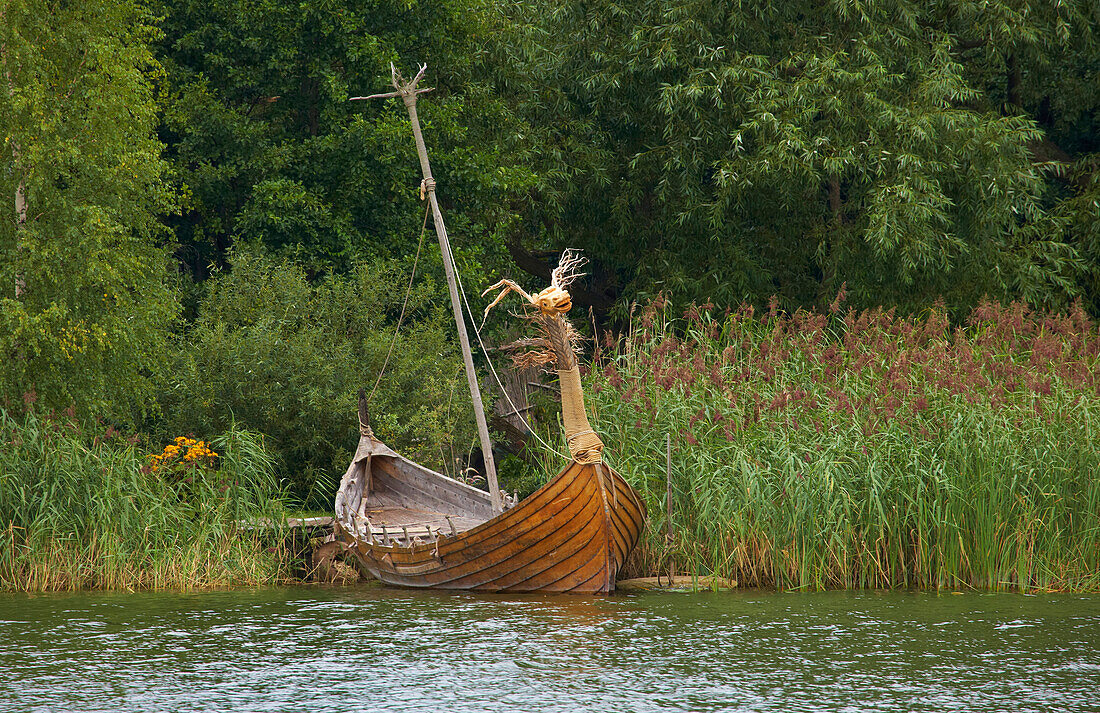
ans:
x=408 y=525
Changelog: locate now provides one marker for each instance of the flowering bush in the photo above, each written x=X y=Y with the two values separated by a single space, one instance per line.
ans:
x=182 y=454
x=863 y=448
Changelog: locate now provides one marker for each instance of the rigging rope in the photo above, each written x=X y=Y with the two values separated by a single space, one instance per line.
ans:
x=492 y=369
x=405 y=304
x=424 y=188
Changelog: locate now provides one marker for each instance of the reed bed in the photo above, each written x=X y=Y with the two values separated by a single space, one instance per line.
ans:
x=862 y=449
x=82 y=509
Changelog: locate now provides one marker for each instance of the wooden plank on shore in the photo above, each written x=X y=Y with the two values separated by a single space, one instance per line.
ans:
x=291 y=523
x=679 y=583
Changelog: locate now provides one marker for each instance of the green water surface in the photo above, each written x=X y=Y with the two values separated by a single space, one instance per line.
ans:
x=368 y=649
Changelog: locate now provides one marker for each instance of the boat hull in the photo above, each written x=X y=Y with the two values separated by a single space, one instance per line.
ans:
x=572 y=535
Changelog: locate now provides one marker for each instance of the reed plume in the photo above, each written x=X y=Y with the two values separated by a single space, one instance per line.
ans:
x=863 y=448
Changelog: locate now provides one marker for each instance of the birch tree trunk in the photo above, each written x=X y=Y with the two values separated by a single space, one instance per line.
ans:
x=21 y=187
x=20 y=221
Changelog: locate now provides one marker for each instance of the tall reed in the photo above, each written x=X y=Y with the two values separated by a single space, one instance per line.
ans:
x=863 y=449
x=84 y=510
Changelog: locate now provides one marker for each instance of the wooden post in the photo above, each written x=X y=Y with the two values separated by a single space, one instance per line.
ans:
x=408 y=93
x=669 y=537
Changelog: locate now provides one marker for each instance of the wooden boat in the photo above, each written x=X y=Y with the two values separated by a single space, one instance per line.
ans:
x=410 y=526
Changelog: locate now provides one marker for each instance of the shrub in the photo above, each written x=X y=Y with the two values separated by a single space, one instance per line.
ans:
x=279 y=355
x=863 y=449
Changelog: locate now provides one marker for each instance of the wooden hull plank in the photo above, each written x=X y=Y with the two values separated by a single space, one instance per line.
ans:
x=525 y=562
x=500 y=556
x=479 y=541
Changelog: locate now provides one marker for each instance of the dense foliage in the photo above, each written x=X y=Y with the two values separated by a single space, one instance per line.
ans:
x=864 y=449
x=80 y=507
x=274 y=353
x=730 y=152
x=199 y=230
x=85 y=304
x=259 y=127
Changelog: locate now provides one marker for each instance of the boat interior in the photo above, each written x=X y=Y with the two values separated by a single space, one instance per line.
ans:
x=389 y=500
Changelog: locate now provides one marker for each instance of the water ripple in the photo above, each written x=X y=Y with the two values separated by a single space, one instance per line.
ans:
x=357 y=649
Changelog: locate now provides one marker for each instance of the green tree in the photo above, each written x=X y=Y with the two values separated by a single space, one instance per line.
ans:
x=726 y=152
x=85 y=302
x=261 y=132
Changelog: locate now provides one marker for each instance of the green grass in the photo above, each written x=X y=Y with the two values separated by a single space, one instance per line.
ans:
x=863 y=450
x=81 y=509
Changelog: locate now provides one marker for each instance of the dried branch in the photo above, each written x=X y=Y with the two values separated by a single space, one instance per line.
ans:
x=401 y=87
x=568 y=269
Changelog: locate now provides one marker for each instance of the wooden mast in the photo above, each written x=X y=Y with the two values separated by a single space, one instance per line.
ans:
x=408 y=92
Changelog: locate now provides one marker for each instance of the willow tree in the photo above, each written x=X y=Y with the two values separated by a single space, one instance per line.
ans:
x=84 y=297
x=729 y=151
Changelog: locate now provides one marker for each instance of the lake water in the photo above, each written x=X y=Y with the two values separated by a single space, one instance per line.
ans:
x=365 y=649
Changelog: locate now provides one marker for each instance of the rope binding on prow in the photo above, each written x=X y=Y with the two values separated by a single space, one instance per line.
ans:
x=557 y=347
